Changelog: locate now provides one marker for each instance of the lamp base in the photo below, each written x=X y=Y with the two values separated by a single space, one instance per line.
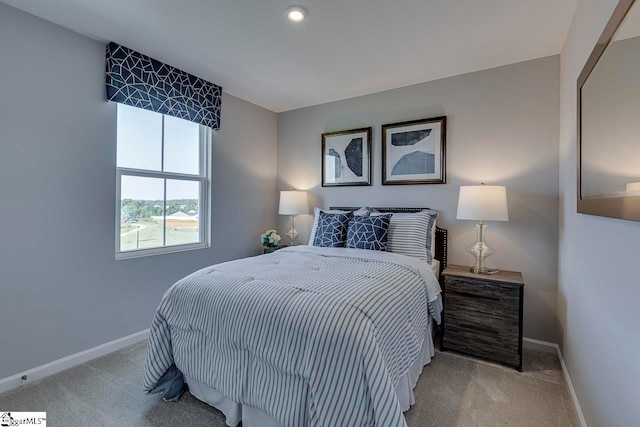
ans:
x=293 y=233
x=480 y=250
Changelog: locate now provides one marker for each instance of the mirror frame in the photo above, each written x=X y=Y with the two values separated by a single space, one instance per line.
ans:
x=614 y=207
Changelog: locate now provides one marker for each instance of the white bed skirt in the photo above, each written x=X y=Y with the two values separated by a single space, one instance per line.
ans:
x=252 y=417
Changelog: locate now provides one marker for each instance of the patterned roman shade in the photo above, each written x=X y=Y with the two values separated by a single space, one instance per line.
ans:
x=140 y=81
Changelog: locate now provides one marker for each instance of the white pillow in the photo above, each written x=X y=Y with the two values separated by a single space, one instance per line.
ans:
x=363 y=211
x=413 y=234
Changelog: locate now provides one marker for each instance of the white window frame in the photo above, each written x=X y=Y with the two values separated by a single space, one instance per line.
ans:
x=204 y=207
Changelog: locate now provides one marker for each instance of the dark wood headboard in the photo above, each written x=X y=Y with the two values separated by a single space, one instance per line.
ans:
x=441 y=234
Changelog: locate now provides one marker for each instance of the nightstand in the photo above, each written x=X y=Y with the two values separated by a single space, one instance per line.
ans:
x=269 y=250
x=482 y=314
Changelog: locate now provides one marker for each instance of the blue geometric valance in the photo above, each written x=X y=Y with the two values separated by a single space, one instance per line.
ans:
x=140 y=81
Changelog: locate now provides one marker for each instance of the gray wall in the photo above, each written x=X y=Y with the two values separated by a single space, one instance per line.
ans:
x=502 y=129
x=599 y=289
x=61 y=291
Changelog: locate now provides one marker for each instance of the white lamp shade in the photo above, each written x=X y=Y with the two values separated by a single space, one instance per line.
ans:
x=293 y=203
x=483 y=203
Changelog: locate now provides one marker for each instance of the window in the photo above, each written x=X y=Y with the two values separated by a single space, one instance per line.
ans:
x=162 y=184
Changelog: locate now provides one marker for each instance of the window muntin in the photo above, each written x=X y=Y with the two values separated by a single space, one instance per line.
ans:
x=162 y=184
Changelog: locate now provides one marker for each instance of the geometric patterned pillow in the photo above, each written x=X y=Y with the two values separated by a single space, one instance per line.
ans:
x=332 y=229
x=364 y=211
x=369 y=232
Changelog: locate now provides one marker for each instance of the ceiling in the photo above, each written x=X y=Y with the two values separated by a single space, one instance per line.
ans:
x=344 y=48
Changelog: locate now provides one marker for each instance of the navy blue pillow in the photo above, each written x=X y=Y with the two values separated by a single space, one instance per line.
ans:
x=369 y=232
x=332 y=229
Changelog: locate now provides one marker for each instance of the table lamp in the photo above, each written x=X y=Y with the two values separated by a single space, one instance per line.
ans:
x=293 y=203
x=482 y=203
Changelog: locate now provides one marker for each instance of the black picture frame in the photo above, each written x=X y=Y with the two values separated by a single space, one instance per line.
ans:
x=419 y=151
x=346 y=158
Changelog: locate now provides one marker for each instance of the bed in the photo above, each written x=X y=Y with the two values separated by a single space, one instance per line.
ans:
x=304 y=336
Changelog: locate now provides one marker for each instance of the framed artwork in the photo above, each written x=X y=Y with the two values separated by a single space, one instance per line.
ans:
x=346 y=158
x=414 y=152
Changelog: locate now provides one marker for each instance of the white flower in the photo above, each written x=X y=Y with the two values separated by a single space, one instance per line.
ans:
x=271 y=238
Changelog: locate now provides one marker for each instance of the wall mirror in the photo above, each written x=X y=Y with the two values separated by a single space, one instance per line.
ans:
x=609 y=120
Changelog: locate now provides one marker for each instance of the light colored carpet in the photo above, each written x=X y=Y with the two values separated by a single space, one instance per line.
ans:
x=453 y=391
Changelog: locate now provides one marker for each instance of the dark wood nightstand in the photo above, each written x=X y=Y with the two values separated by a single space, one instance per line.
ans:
x=269 y=250
x=482 y=314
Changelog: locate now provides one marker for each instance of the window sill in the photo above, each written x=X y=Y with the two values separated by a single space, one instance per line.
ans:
x=139 y=253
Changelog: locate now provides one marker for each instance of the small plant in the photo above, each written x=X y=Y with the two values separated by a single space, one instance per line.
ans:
x=271 y=239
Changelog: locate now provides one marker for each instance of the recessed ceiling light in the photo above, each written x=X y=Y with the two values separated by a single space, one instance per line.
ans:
x=296 y=14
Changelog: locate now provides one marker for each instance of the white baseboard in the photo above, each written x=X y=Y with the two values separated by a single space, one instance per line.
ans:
x=71 y=361
x=546 y=346
x=574 y=396
x=554 y=348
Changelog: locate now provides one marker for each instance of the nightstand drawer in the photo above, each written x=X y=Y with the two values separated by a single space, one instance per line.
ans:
x=481 y=343
x=482 y=298
x=491 y=324
x=483 y=315
x=479 y=323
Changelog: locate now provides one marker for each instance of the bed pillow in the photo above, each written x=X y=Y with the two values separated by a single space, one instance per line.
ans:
x=364 y=211
x=332 y=229
x=368 y=232
x=412 y=234
x=434 y=228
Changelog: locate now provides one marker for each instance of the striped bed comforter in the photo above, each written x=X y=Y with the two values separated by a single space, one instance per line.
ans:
x=311 y=336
